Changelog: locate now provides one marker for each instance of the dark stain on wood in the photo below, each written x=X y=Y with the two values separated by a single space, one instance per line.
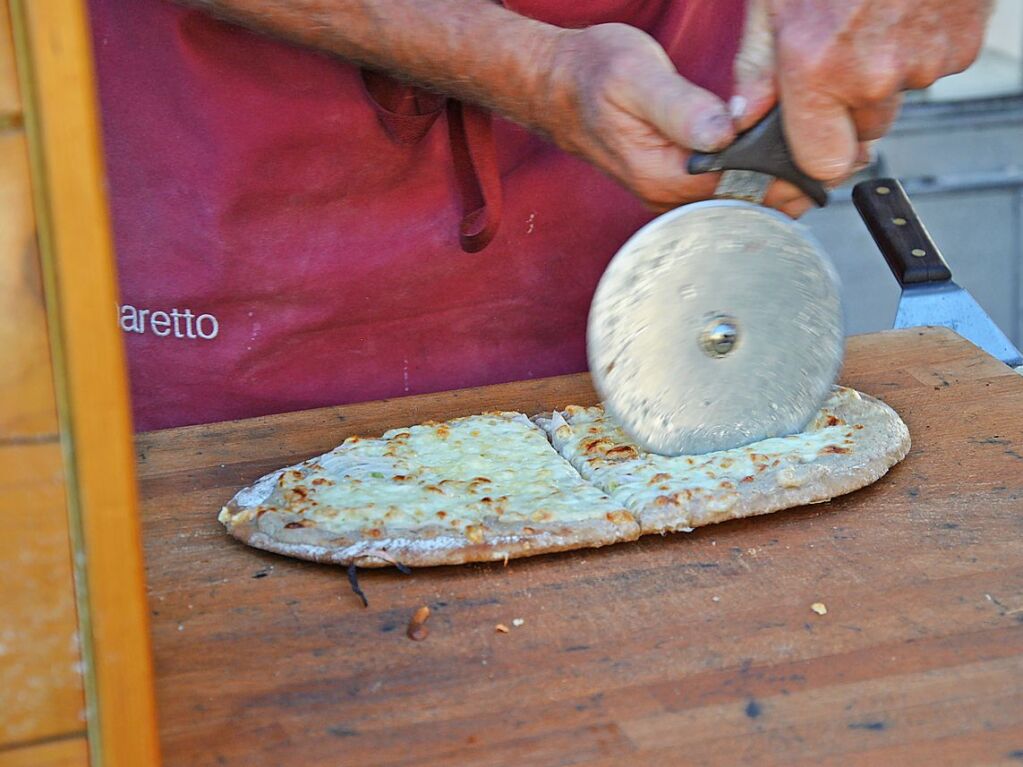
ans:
x=875 y=726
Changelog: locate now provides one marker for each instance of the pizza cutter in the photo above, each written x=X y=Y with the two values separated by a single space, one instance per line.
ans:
x=719 y=323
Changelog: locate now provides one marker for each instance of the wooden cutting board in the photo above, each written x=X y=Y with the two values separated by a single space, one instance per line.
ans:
x=697 y=648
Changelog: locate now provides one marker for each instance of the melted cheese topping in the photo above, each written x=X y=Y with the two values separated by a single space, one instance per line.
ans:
x=602 y=452
x=463 y=475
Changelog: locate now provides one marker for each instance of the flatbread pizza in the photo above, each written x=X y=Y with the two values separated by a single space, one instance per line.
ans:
x=483 y=487
x=499 y=485
x=851 y=442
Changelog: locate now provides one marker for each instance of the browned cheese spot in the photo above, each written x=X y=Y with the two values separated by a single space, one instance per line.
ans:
x=372 y=532
x=619 y=517
x=663 y=500
x=748 y=478
x=683 y=495
x=622 y=453
x=296 y=525
x=441 y=514
x=661 y=477
x=832 y=449
x=834 y=420
x=725 y=463
x=434 y=489
x=597 y=445
x=726 y=484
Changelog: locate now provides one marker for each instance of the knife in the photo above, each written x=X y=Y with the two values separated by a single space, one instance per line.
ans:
x=719 y=323
x=929 y=296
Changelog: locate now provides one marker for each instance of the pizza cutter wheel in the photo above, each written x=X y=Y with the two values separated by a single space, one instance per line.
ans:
x=719 y=323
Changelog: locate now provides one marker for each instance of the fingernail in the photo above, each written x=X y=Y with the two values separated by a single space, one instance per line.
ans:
x=711 y=132
x=737 y=106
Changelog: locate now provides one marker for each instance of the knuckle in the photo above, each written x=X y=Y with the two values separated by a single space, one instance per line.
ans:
x=879 y=85
x=961 y=55
x=925 y=74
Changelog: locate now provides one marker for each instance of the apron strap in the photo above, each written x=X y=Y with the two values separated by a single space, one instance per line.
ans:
x=407 y=113
x=477 y=172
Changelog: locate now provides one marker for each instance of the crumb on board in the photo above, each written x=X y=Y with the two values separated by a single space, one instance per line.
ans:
x=417 y=629
x=715 y=598
x=820 y=608
x=501 y=628
x=518 y=622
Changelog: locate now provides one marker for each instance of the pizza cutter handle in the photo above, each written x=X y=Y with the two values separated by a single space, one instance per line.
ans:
x=899 y=233
x=763 y=149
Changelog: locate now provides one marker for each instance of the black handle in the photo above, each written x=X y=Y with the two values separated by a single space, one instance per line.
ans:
x=899 y=233
x=762 y=148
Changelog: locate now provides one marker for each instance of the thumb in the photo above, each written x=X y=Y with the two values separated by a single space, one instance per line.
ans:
x=755 y=92
x=684 y=113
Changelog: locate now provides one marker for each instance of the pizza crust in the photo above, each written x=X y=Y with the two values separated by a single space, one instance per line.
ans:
x=430 y=545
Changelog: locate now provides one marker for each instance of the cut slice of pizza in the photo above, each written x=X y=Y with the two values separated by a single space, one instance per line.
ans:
x=484 y=487
x=852 y=442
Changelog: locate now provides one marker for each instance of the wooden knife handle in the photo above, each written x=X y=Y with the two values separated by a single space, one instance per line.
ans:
x=900 y=234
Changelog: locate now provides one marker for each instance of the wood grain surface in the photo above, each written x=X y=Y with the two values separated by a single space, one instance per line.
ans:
x=697 y=648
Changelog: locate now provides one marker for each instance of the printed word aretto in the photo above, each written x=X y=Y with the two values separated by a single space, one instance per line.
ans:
x=175 y=323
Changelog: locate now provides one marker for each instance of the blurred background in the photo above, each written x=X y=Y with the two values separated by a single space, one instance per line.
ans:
x=958 y=149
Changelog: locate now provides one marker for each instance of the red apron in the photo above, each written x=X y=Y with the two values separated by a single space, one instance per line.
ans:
x=291 y=233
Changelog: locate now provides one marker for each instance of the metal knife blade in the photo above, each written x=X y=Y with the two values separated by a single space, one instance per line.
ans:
x=929 y=296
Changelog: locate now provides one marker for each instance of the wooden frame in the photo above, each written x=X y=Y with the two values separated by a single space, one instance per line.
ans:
x=57 y=83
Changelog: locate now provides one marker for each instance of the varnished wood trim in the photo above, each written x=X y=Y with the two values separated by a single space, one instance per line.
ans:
x=57 y=85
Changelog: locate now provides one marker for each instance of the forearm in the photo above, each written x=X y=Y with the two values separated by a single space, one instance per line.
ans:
x=473 y=50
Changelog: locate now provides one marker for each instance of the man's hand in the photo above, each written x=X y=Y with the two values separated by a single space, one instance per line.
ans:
x=840 y=67
x=616 y=99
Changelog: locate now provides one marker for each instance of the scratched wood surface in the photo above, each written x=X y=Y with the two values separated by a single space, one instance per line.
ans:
x=696 y=648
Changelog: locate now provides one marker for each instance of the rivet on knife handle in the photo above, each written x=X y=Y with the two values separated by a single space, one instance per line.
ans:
x=900 y=235
x=763 y=149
